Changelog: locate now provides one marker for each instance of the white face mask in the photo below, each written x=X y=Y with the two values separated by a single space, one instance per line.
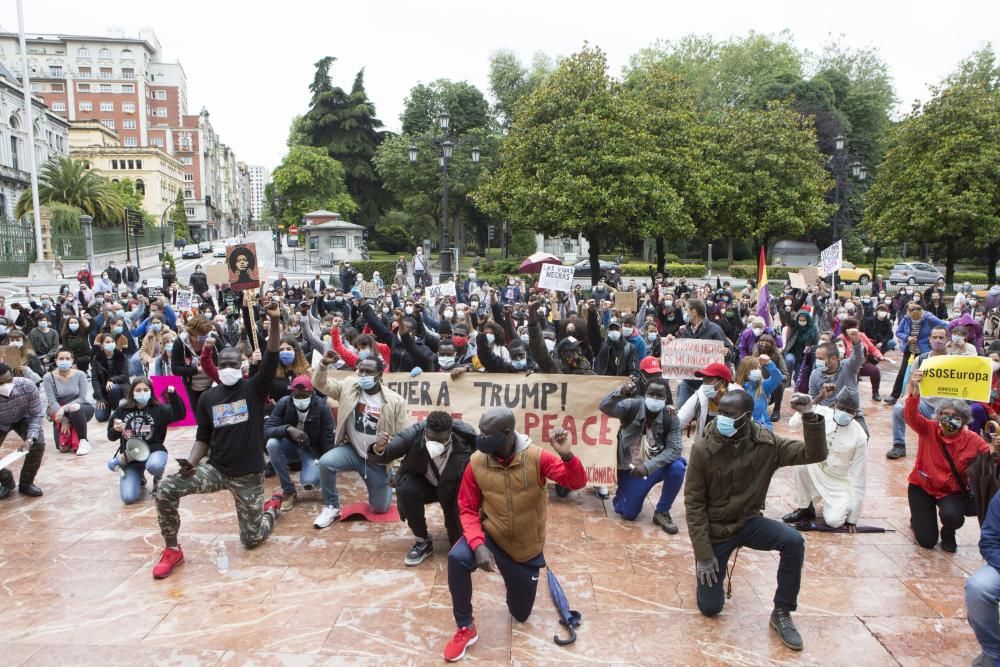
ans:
x=757 y=331
x=302 y=404
x=436 y=449
x=230 y=376
x=6 y=389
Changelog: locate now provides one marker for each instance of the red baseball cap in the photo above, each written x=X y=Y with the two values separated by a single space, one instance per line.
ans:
x=715 y=370
x=650 y=365
x=302 y=382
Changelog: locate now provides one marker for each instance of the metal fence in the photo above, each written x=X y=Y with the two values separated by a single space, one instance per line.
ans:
x=71 y=245
x=17 y=247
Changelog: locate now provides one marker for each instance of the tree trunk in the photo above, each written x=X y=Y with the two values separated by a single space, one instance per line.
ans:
x=661 y=259
x=729 y=249
x=991 y=262
x=875 y=254
x=595 y=260
x=949 y=264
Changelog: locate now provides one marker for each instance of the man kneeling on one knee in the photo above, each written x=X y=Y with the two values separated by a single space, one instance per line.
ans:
x=300 y=428
x=727 y=481
x=370 y=414
x=435 y=453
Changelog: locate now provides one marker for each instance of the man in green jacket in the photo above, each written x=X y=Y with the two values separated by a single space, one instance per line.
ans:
x=727 y=481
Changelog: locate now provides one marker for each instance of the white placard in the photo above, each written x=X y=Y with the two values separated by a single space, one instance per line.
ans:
x=183 y=299
x=557 y=277
x=11 y=458
x=831 y=259
x=436 y=292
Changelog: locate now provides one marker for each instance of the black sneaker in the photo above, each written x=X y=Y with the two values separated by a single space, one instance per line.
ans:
x=775 y=417
x=781 y=621
x=663 y=520
x=420 y=550
x=806 y=513
x=891 y=400
x=948 y=542
x=898 y=451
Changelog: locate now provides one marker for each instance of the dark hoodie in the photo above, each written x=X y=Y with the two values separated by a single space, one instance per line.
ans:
x=801 y=337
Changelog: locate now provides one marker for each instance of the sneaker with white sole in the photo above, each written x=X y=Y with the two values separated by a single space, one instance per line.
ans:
x=420 y=550
x=329 y=514
x=602 y=492
x=83 y=448
x=463 y=639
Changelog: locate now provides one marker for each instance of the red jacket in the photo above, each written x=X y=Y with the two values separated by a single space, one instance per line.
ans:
x=349 y=357
x=866 y=341
x=570 y=474
x=931 y=471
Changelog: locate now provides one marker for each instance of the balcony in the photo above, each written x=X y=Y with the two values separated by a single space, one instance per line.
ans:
x=16 y=175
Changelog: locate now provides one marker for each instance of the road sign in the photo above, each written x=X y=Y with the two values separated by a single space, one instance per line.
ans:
x=133 y=217
x=293 y=230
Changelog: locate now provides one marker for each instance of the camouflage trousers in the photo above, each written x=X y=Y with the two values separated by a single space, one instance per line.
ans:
x=248 y=492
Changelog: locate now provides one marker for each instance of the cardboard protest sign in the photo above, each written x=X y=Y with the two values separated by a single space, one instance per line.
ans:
x=10 y=355
x=797 y=281
x=183 y=300
x=160 y=384
x=216 y=274
x=541 y=403
x=241 y=260
x=154 y=291
x=831 y=259
x=437 y=292
x=949 y=376
x=557 y=277
x=627 y=301
x=681 y=357
x=810 y=274
x=368 y=289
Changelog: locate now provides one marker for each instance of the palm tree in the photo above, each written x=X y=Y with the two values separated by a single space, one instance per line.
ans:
x=66 y=181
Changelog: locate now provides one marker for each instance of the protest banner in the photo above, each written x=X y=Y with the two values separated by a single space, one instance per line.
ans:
x=368 y=289
x=160 y=384
x=154 y=291
x=831 y=259
x=437 y=292
x=241 y=260
x=949 y=376
x=557 y=277
x=626 y=302
x=681 y=357
x=541 y=403
x=810 y=274
x=216 y=274
x=797 y=281
x=183 y=300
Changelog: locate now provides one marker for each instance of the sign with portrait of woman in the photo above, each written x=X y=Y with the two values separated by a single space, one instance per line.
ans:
x=241 y=260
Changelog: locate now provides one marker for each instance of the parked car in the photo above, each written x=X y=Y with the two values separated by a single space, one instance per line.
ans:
x=849 y=273
x=582 y=268
x=191 y=251
x=914 y=273
x=205 y=246
x=220 y=251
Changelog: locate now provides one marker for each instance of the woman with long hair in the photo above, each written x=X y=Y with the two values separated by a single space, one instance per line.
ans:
x=108 y=374
x=67 y=404
x=144 y=417
x=27 y=364
x=152 y=348
x=186 y=354
x=291 y=364
x=750 y=376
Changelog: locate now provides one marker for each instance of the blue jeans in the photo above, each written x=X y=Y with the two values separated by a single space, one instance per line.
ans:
x=520 y=579
x=346 y=457
x=135 y=368
x=899 y=424
x=685 y=390
x=130 y=486
x=114 y=397
x=982 y=595
x=283 y=450
x=632 y=491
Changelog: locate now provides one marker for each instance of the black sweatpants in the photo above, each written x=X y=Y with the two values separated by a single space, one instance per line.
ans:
x=33 y=460
x=413 y=492
x=924 y=518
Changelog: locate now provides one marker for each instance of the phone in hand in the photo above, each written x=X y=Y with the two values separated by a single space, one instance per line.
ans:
x=184 y=464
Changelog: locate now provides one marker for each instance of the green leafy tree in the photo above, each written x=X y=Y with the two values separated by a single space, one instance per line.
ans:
x=345 y=124
x=67 y=181
x=393 y=232
x=940 y=178
x=179 y=220
x=465 y=104
x=510 y=81
x=63 y=217
x=309 y=179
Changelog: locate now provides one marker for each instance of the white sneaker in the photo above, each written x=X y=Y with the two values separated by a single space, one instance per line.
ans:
x=83 y=448
x=329 y=514
x=602 y=492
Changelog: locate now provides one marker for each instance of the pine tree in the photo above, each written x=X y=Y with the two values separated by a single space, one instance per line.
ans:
x=345 y=125
x=179 y=219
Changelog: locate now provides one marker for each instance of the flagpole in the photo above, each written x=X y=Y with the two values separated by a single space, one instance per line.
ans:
x=32 y=163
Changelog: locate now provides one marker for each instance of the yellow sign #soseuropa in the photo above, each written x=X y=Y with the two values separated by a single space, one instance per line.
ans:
x=966 y=378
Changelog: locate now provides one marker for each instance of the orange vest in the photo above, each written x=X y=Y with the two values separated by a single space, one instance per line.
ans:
x=515 y=502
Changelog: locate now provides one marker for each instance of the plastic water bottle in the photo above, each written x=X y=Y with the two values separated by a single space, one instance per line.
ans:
x=222 y=558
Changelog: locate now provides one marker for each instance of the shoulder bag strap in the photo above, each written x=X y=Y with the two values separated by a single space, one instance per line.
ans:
x=962 y=482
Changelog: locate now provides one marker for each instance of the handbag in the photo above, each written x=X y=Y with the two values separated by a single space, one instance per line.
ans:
x=968 y=500
x=69 y=441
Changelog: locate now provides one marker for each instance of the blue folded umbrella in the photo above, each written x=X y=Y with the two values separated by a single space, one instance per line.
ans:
x=568 y=617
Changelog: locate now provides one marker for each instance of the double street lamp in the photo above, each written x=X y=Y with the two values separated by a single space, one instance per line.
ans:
x=445 y=144
x=843 y=165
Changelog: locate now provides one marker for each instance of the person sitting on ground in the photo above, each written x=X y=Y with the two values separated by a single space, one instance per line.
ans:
x=434 y=454
x=750 y=376
x=299 y=429
x=68 y=406
x=727 y=482
x=703 y=406
x=370 y=414
x=840 y=480
x=649 y=450
x=108 y=375
x=830 y=369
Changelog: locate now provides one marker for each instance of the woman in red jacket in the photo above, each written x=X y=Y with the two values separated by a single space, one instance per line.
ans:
x=932 y=483
x=872 y=357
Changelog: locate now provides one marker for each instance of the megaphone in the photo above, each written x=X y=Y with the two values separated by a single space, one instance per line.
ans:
x=136 y=449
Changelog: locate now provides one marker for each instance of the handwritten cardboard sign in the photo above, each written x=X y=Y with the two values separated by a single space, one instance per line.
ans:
x=681 y=357
x=831 y=259
x=216 y=274
x=368 y=289
x=626 y=301
x=437 y=292
x=183 y=300
x=797 y=281
x=557 y=277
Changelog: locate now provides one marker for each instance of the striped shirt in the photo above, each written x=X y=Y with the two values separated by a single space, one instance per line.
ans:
x=24 y=402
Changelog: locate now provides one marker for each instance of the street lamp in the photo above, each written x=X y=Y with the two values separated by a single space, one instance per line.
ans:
x=842 y=166
x=163 y=229
x=277 y=206
x=87 y=223
x=445 y=145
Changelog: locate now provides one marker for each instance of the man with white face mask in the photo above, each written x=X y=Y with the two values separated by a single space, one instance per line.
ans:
x=434 y=454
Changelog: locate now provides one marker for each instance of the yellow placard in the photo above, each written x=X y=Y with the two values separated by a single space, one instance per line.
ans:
x=965 y=378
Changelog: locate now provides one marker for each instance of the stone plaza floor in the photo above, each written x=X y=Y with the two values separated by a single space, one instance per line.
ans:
x=76 y=585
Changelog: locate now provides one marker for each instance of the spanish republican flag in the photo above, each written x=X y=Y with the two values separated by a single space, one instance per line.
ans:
x=763 y=294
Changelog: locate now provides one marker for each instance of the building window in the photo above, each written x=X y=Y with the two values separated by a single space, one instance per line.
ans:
x=59 y=106
x=189 y=177
x=107 y=106
x=338 y=241
x=128 y=88
x=188 y=193
x=140 y=187
x=108 y=123
x=156 y=141
x=13 y=153
x=130 y=141
x=161 y=112
x=83 y=87
x=187 y=161
x=189 y=211
x=83 y=52
x=128 y=124
x=114 y=164
x=55 y=71
x=128 y=73
x=105 y=87
x=161 y=94
x=58 y=87
x=105 y=53
x=128 y=107
x=85 y=72
x=86 y=106
x=138 y=164
x=105 y=73
x=314 y=243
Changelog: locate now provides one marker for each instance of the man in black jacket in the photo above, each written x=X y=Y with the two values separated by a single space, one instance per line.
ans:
x=198 y=280
x=434 y=453
x=300 y=428
x=130 y=276
x=616 y=355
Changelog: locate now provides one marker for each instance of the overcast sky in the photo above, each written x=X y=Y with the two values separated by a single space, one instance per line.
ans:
x=250 y=62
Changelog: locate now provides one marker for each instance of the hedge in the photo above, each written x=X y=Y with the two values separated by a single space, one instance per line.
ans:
x=385 y=267
x=773 y=272
x=675 y=270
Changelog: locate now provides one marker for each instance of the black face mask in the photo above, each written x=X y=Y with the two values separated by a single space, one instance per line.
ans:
x=490 y=444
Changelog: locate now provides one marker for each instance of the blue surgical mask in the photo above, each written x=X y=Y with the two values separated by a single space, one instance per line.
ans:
x=141 y=397
x=286 y=356
x=614 y=335
x=109 y=347
x=156 y=327
x=117 y=330
x=364 y=354
x=842 y=418
x=169 y=347
x=366 y=382
x=727 y=425
x=302 y=404
x=74 y=326
x=3 y=329
x=655 y=404
x=43 y=325
x=519 y=364
x=820 y=365
x=754 y=375
x=446 y=362
x=64 y=365
x=490 y=338
x=709 y=390
x=652 y=336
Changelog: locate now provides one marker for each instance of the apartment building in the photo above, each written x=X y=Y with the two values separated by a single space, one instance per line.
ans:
x=260 y=176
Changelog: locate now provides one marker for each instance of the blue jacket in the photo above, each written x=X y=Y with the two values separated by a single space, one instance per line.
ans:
x=989 y=534
x=771 y=382
x=924 y=337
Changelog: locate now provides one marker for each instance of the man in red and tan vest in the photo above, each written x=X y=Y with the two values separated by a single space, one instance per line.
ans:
x=502 y=505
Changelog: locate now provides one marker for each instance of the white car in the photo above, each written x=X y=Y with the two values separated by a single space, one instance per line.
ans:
x=220 y=251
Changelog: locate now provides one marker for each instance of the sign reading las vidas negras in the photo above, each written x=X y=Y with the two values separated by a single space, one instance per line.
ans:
x=541 y=403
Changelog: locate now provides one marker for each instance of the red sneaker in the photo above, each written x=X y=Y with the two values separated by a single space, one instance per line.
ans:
x=274 y=503
x=169 y=559
x=463 y=639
